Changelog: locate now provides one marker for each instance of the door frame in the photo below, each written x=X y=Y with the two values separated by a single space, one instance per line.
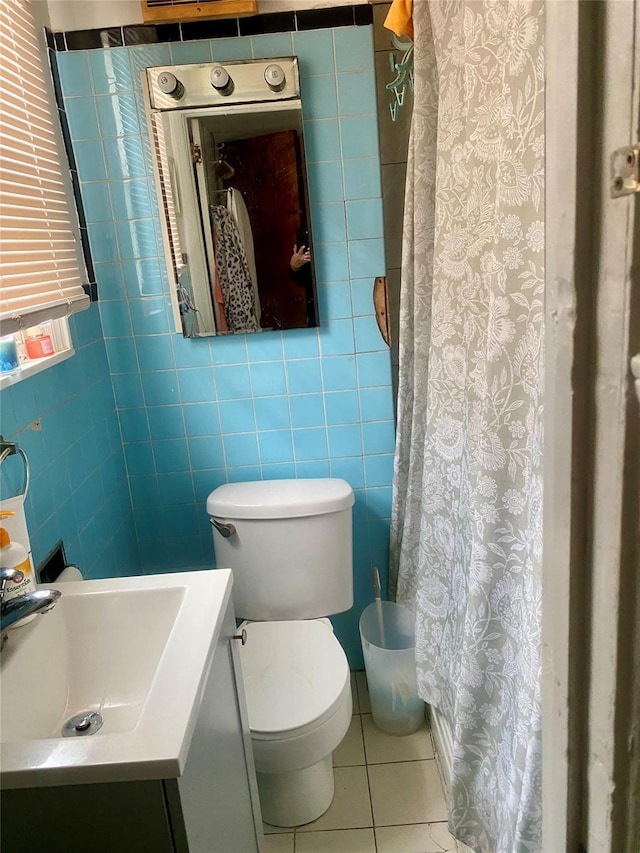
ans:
x=591 y=658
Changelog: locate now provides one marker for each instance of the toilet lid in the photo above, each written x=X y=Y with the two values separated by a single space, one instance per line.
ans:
x=293 y=672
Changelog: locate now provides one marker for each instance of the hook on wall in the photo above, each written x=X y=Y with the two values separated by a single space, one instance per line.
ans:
x=403 y=71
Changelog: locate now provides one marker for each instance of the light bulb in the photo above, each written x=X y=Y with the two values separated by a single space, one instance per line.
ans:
x=170 y=85
x=221 y=81
x=275 y=78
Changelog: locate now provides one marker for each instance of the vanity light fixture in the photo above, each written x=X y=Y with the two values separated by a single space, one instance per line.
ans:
x=169 y=84
x=221 y=81
x=275 y=77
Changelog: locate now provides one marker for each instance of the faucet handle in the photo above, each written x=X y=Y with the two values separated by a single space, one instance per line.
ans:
x=7 y=575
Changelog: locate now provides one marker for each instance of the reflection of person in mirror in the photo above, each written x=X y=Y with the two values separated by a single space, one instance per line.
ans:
x=301 y=256
x=300 y=272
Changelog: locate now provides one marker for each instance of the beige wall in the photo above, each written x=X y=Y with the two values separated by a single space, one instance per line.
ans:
x=93 y=14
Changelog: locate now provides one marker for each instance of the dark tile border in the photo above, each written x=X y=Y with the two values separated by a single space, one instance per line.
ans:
x=316 y=19
x=91 y=39
x=359 y=15
x=363 y=15
x=91 y=288
x=66 y=138
x=226 y=28
x=151 y=34
x=55 y=76
x=277 y=22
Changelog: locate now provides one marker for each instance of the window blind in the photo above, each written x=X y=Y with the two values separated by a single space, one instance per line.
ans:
x=40 y=267
x=168 y=182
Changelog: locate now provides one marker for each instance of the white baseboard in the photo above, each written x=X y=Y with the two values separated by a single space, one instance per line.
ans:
x=443 y=742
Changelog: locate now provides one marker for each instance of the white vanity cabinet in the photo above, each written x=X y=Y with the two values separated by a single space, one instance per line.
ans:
x=211 y=807
x=215 y=801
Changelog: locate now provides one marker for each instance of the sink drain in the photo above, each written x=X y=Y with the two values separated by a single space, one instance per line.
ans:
x=81 y=725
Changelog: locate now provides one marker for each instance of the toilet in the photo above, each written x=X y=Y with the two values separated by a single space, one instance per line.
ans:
x=289 y=544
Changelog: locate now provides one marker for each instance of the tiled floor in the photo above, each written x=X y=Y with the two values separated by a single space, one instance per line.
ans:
x=388 y=798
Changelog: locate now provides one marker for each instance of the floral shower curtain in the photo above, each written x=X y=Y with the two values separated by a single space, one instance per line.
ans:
x=467 y=517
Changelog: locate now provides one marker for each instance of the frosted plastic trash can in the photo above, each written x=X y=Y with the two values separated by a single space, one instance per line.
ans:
x=387 y=632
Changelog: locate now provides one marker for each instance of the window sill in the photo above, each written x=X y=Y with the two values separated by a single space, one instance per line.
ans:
x=34 y=366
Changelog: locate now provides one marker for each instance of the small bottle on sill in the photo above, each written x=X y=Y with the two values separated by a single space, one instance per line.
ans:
x=38 y=343
x=9 y=361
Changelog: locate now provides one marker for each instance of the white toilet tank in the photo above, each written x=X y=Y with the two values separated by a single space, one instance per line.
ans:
x=291 y=550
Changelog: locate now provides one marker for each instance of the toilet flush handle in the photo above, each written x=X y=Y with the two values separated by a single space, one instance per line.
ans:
x=225 y=530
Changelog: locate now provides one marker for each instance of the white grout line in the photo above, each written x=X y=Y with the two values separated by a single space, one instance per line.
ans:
x=373 y=826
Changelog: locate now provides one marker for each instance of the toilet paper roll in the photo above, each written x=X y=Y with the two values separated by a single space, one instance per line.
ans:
x=69 y=573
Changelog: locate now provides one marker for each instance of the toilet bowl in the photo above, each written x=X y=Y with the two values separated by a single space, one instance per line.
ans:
x=289 y=545
x=296 y=679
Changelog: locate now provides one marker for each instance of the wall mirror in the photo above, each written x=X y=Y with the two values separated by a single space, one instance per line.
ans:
x=228 y=150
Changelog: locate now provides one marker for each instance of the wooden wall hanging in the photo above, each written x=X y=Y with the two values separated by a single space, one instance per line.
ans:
x=381 y=306
x=174 y=11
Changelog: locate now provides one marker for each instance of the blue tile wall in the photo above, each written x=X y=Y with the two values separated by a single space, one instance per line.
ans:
x=66 y=421
x=306 y=403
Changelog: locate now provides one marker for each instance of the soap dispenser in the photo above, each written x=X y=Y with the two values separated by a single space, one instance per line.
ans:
x=14 y=556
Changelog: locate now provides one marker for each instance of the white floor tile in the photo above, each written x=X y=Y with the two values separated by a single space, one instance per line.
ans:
x=351 y=750
x=278 y=843
x=354 y=694
x=417 y=838
x=363 y=692
x=382 y=748
x=336 y=841
x=351 y=808
x=408 y=792
x=440 y=833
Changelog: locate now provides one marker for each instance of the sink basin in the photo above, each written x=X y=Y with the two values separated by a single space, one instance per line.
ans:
x=135 y=650
x=97 y=652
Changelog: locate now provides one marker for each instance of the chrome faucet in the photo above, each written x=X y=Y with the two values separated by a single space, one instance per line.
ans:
x=17 y=608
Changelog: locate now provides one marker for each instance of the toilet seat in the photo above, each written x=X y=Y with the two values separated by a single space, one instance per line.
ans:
x=296 y=677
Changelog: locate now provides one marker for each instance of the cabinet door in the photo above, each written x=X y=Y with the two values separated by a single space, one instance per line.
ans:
x=95 y=818
x=243 y=714
x=217 y=788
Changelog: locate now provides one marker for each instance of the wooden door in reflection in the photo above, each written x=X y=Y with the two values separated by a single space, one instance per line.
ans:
x=268 y=173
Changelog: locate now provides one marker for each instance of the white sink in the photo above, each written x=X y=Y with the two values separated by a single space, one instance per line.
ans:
x=136 y=650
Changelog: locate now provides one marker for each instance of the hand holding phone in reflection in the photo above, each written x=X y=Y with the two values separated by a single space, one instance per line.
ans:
x=301 y=256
